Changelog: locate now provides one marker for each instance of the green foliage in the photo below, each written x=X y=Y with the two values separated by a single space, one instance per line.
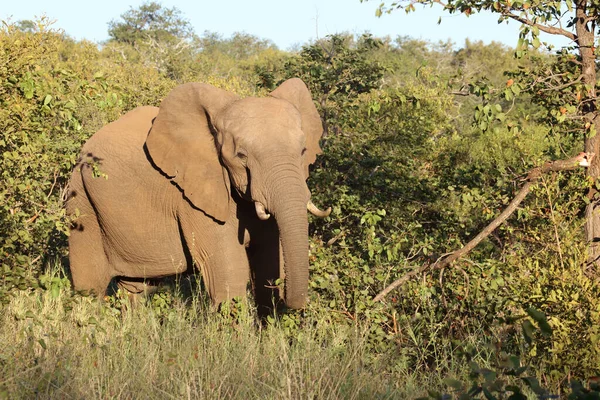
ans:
x=508 y=379
x=337 y=69
x=151 y=22
x=240 y=46
x=409 y=182
x=41 y=134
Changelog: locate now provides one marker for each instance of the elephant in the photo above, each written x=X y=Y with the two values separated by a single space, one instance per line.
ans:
x=207 y=180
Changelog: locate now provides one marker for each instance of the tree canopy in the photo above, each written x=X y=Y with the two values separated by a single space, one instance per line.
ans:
x=150 y=22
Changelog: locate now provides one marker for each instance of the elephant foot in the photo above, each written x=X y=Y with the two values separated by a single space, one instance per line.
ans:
x=137 y=289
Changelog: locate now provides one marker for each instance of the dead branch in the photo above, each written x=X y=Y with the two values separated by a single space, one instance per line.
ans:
x=581 y=160
x=460 y=92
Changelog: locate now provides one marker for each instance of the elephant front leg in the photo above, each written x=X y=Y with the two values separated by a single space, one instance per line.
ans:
x=223 y=263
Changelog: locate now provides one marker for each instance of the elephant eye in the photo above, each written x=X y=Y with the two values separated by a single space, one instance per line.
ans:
x=303 y=151
x=241 y=154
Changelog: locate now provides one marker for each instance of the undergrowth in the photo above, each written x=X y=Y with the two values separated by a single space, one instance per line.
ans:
x=54 y=344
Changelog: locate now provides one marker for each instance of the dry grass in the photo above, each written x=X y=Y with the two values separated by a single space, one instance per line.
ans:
x=56 y=345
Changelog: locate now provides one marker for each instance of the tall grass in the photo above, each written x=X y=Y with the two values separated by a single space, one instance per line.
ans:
x=56 y=345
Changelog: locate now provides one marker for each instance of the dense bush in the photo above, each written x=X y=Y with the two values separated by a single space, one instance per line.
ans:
x=41 y=134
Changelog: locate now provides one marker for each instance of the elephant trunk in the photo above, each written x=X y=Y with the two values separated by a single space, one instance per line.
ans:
x=290 y=213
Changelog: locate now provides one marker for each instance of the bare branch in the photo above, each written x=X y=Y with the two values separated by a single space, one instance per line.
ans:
x=581 y=160
x=544 y=28
x=566 y=85
x=53 y=184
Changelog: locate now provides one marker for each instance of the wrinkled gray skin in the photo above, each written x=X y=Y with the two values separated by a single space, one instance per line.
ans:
x=206 y=179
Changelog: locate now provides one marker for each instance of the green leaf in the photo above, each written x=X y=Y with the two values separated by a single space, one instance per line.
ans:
x=541 y=320
x=488 y=395
x=528 y=331
x=453 y=383
x=533 y=384
x=488 y=374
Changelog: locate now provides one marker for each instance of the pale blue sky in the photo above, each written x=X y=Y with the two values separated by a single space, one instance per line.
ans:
x=285 y=22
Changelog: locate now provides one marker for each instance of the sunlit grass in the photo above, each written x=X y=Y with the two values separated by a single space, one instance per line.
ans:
x=57 y=345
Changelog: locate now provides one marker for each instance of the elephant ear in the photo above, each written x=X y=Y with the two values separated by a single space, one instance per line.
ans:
x=182 y=146
x=295 y=91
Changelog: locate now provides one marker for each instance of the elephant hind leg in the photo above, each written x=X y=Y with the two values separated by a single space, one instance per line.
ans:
x=90 y=270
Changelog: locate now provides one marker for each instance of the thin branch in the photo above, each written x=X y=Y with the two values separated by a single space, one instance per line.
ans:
x=544 y=28
x=53 y=184
x=507 y=12
x=563 y=86
x=581 y=160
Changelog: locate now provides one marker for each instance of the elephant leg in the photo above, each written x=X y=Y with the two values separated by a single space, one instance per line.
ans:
x=137 y=286
x=226 y=274
x=90 y=269
x=137 y=289
x=221 y=259
x=266 y=265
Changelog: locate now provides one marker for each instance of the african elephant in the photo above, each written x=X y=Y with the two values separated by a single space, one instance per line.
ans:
x=194 y=182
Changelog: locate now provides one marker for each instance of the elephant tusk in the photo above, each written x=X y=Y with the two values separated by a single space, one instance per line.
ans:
x=314 y=210
x=260 y=211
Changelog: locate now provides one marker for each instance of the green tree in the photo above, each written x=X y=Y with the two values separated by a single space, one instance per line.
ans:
x=337 y=69
x=150 y=22
x=26 y=25
x=565 y=86
x=156 y=37
x=239 y=46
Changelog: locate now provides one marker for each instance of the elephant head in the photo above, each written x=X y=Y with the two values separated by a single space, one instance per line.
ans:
x=206 y=140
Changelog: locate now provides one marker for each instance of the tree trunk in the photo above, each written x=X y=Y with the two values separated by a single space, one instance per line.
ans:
x=592 y=212
x=585 y=42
